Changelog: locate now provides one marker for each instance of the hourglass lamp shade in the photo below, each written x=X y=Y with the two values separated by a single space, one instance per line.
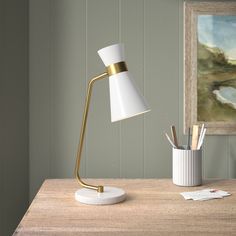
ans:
x=125 y=99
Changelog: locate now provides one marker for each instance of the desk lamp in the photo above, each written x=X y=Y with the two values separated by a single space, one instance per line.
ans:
x=125 y=102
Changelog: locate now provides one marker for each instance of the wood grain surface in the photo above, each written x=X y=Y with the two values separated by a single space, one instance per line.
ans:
x=153 y=207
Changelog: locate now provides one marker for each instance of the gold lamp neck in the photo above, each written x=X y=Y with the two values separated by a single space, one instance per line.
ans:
x=111 y=70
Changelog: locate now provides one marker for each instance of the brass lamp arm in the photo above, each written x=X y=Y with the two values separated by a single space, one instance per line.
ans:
x=111 y=70
x=82 y=133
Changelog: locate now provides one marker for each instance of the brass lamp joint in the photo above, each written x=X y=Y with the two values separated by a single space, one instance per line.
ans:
x=116 y=68
x=100 y=189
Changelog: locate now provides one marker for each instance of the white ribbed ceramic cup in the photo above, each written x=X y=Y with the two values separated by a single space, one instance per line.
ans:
x=187 y=167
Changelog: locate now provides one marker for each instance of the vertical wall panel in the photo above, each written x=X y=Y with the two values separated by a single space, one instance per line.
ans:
x=216 y=157
x=14 y=113
x=68 y=82
x=232 y=157
x=181 y=136
x=132 y=140
x=103 y=137
x=40 y=93
x=161 y=83
x=1 y=137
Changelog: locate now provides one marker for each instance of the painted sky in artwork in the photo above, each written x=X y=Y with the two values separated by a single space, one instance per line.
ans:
x=218 y=31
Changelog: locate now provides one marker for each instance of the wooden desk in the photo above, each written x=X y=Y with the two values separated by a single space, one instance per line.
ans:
x=153 y=207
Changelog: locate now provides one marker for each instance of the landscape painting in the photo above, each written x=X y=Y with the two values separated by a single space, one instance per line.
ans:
x=210 y=66
x=216 y=68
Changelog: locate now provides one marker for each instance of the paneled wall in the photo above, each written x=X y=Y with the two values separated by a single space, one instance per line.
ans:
x=64 y=38
x=14 y=156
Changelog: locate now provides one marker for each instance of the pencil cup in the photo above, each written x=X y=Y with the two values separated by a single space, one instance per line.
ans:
x=187 y=167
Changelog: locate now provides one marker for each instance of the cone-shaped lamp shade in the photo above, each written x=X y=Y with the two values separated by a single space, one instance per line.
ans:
x=125 y=99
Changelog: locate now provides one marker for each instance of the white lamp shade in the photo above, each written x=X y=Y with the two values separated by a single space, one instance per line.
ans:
x=125 y=99
x=112 y=54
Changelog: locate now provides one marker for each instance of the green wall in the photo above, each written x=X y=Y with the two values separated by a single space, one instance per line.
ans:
x=64 y=38
x=14 y=156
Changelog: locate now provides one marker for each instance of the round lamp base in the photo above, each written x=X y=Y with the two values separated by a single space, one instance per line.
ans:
x=110 y=195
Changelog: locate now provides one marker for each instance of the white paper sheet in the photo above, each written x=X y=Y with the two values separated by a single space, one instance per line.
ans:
x=205 y=194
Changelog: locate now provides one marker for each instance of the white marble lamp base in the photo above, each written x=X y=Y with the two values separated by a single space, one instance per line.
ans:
x=110 y=195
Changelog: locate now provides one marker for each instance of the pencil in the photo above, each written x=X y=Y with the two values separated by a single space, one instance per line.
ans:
x=188 y=144
x=195 y=137
x=170 y=141
x=174 y=136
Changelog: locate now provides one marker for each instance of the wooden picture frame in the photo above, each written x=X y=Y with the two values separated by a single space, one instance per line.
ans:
x=197 y=71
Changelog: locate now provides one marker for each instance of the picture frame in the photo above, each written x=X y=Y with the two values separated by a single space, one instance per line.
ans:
x=209 y=70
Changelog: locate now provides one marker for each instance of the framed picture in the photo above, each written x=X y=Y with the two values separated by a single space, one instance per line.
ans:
x=210 y=66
